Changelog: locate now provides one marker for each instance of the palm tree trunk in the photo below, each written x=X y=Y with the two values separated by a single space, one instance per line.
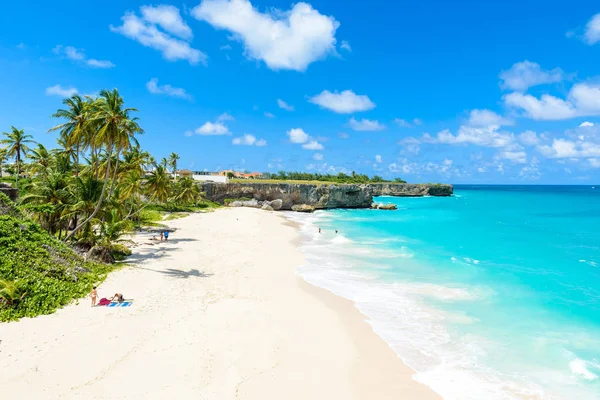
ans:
x=93 y=214
x=77 y=160
x=18 y=168
x=112 y=185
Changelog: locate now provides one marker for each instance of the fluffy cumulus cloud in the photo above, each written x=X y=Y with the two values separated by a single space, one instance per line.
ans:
x=519 y=157
x=526 y=74
x=365 y=125
x=586 y=124
x=582 y=143
x=155 y=88
x=298 y=136
x=583 y=100
x=214 y=128
x=486 y=118
x=489 y=136
x=249 y=140
x=58 y=90
x=345 y=45
x=161 y=28
x=284 y=105
x=445 y=168
x=529 y=138
x=290 y=39
x=78 y=55
x=312 y=145
x=592 y=30
x=346 y=102
x=378 y=159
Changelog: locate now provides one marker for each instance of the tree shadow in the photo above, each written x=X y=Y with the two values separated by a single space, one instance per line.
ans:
x=192 y=273
x=181 y=240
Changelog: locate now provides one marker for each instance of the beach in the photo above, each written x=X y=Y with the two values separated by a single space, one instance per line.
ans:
x=219 y=312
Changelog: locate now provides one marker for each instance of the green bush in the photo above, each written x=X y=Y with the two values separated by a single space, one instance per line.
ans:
x=44 y=272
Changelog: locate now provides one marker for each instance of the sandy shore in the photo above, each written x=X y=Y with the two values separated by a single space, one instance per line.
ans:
x=219 y=313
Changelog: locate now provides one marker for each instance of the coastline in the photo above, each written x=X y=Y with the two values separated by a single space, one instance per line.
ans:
x=219 y=312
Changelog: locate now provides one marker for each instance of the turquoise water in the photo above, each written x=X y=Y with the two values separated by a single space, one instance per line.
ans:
x=493 y=293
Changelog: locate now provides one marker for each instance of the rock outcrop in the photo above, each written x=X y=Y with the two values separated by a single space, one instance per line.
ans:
x=384 y=206
x=410 y=189
x=283 y=196
x=9 y=191
x=305 y=208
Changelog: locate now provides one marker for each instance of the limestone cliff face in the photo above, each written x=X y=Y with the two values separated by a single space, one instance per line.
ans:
x=410 y=190
x=9 y=191
x=318 y=196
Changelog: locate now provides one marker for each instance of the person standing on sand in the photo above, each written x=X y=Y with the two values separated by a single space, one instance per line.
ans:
x=93 y=295
x=166 y=236
x=319 y=230
x=161 y=236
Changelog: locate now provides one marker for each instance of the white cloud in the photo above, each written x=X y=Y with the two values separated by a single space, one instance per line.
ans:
x=346 y=102
x=225 y=117
x=481 y=169
x=313 y=145
x=58 y=90
x=249 y=140
x=411 y=144
x=215 y=128
x=297 y=135
x=290 y=39
x=529 y=138
x=317 y=156
x=592 y=30
x=168 y=18
x=526 y=74
x=225 y=47
x=345 y=45
x=563 y=148
x=486 y=118
x=583 y=100
x=155 y=88
x=594 y=162
x=269 y=115
x=489 y=136
x=146 y=32
x=586 y=124
x=365 y=125
x=284 y=105
x=407 y=124
x=518 y=157
x=378 y=159
x=78 y=55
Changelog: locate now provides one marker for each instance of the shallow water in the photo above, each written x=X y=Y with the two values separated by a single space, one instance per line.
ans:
x=492 y=293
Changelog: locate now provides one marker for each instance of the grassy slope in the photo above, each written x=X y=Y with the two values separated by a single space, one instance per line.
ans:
x=49 y=273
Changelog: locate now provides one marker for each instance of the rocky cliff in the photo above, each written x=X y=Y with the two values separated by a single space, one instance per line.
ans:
x=318 y=196
x=9 y=191
x=410 y=189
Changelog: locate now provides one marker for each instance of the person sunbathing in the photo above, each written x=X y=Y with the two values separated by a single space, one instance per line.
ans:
x=118 y=297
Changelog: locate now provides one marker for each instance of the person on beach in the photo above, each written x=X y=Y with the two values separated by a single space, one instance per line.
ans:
x=336 y=231
x=94 y=295
x=319 y=230
x=161 y=236
x=118 y=297
x=166 y=236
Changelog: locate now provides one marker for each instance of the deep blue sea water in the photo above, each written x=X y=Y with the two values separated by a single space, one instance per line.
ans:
x=493 y=293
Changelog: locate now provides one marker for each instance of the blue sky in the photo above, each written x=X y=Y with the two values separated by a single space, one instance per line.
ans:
x=459 y=92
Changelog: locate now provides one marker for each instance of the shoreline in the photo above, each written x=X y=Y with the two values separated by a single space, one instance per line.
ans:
x=219 y=312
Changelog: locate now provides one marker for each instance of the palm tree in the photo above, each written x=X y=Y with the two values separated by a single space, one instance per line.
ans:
x=116 y=130
x=40 y=160
x=173 y=158
x=16 y=141
x=187 y=191
x=2 y=159
x=158 y=184
x=10 y=293
x=74 y=132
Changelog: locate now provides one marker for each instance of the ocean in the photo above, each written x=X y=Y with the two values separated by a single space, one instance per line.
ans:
x=493 y=293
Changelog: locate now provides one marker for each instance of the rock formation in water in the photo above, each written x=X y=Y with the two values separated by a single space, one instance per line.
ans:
x=410 y=189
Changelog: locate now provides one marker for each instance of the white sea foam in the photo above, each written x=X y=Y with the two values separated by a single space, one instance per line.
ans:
x=580 y=367
x=592 y=263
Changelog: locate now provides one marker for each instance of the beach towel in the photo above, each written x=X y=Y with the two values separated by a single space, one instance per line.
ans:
x=103 y=302
x=126 y=303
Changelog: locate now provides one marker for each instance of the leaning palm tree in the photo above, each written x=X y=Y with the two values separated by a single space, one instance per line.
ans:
x=158 y=185
x=173 y=158
x=16 y=141
x=115 y=131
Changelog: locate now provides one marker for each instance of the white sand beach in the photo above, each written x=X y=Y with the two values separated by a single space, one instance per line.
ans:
x=218 y=313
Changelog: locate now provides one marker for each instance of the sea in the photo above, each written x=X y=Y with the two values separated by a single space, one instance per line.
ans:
x=492 y=293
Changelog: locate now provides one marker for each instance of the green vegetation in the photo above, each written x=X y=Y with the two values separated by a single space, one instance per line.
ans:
x=38 y=273
x=95 y=187
x=307 y=177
